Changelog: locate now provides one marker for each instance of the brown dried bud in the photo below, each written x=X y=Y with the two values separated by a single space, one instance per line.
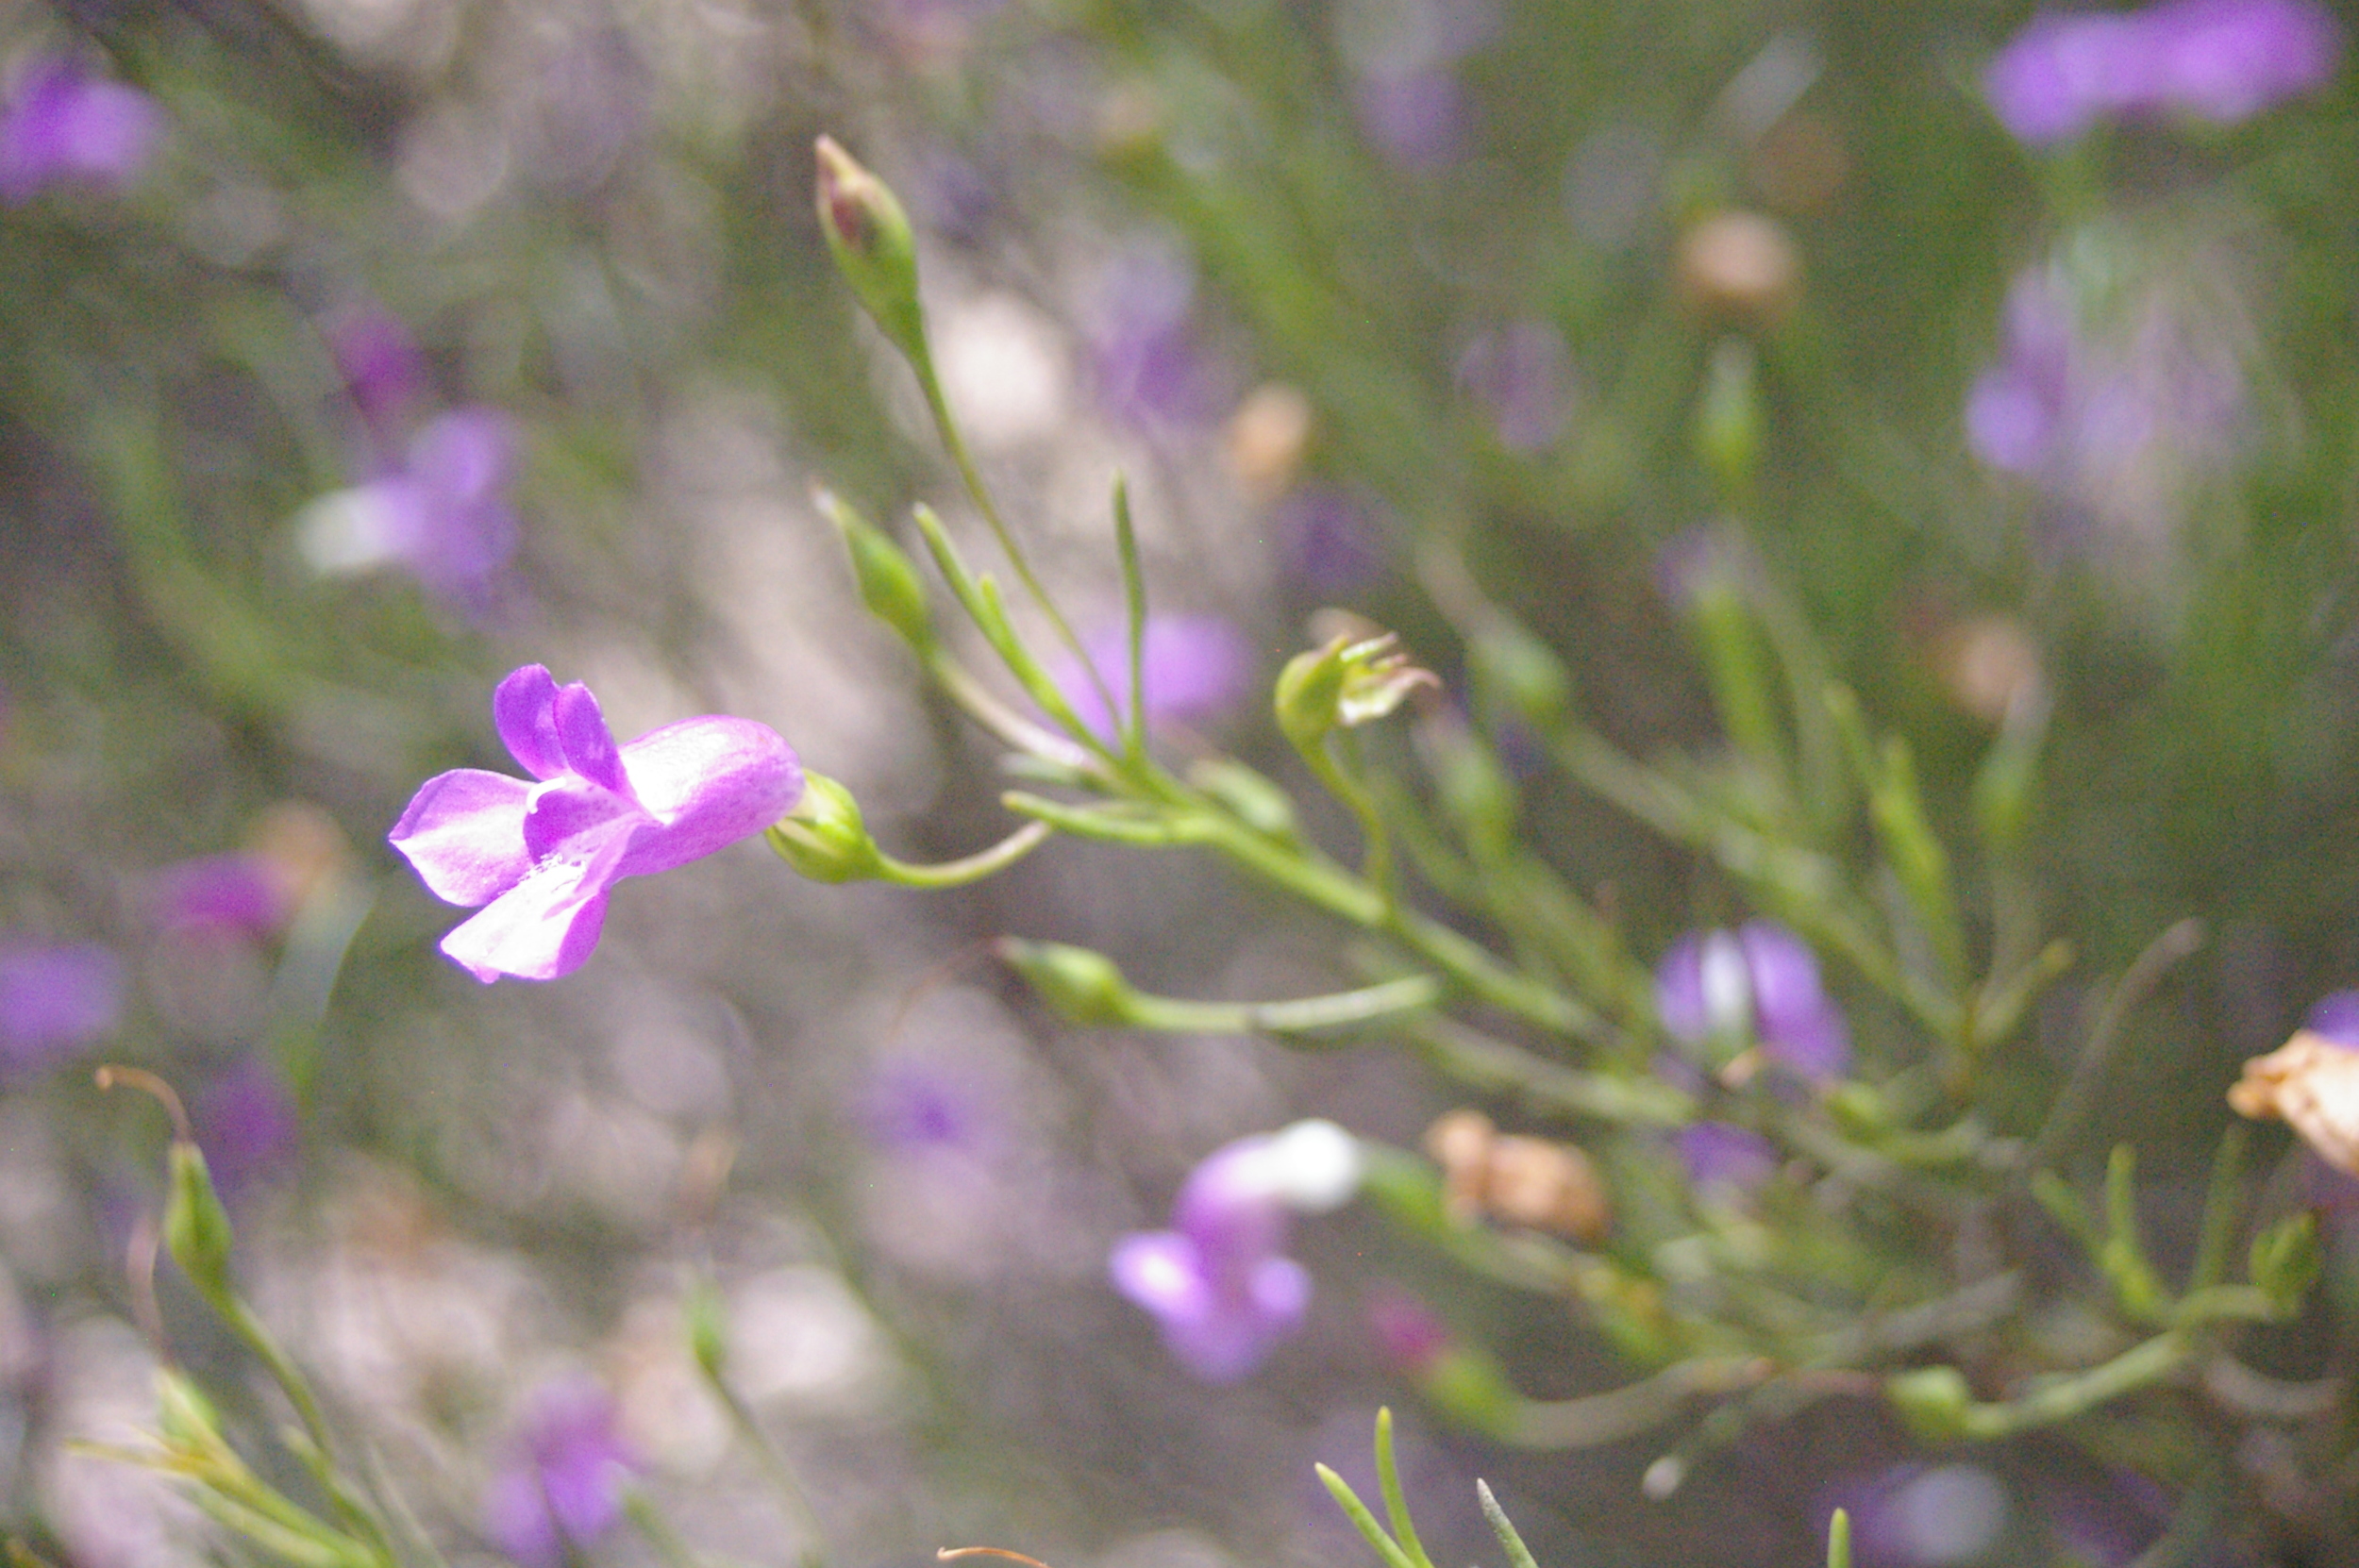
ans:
x=2313 y=1085
x=1740 y=267
x=1264 y=441
x=1988 y=664
x=1528 y=1182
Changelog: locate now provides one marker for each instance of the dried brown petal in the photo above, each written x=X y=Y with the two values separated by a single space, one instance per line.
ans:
x=2312 y=1084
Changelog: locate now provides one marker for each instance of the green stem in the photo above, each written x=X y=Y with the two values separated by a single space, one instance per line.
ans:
x=971 y=868
x=2062 y=1398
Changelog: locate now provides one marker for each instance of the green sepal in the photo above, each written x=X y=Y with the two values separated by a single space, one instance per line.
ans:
x=1081 y=986
x=825 y=837
x=887 y=578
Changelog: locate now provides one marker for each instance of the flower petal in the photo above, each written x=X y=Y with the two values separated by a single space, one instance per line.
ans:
x=583 y=736
x=465 y=832
x=546 y=925
x=708 y=782
x=524 y=707
x=1679 y=989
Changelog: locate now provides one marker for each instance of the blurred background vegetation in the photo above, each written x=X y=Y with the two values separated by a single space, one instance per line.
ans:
x=415 y=339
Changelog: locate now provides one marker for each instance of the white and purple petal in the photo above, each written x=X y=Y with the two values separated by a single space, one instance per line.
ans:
x=707 y=782
x=546 y=924
x=464 y=834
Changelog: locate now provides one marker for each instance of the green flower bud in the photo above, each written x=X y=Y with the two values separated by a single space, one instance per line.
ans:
x=196 y=1226
x=1344 y=684
x=870 y=237
x=1934 y=1401
x=1081 y=986
x=1258 y=804
x=825 y=838
x=888 y=580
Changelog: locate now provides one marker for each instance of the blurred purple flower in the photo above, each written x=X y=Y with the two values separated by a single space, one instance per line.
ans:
x=383 y=370
x=1146 y=365
x=1522 y=376
x=915 y=1106
x=2220 y=60
x=442 y=513
x=541 y=857
x=2335 y=1016
x=1924 y=1516
x=238 y=891
x=562 y=1487
x=2113 y=419
x=64 y=124
x=1217 y=1281
x=1415 y=119
x=1191 y=668
x=247 y=1124
x=1759 y=983
x=1721 y=1157
x=1329 y=541
x=54 y=999
x=1410 y=1335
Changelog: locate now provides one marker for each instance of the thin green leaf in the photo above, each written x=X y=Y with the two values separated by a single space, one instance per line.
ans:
x=1396 y=1504
x=1839 y=1541
x=1356 y=1511
x=1135 y=615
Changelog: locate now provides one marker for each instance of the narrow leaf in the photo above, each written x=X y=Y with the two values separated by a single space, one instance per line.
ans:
x=1518 y=1554
x=1396 y=1503
x=1356 y=1511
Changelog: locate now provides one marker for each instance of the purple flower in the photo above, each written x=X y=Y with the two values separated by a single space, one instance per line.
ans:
x=1521 y=374
x=442 y=514
x=1147 y=367
x=541 y=855
x=1415 y=119
x=1329 y=541
x=2114 y=416
x=247 y=1124
x=64 y=124
x=1721 y=1157
x=54 y=999
x=1217 y=1282
x=240 y=892
x=1191 y=668
x=2220 y=60
x=563 y=1487
x=1925 y=1516
x=1758 y=984
x=2336 y=1016
x=383 y=370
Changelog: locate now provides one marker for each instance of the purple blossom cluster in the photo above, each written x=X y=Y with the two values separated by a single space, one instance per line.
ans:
x=540 y=858
x=2222 y=61
x=1218 y=1281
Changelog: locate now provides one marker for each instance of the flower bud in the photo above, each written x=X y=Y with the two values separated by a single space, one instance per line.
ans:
x=1932 y=1401
x=869 y=234
x=1727 y=416
x=1344 y=684
x=1081 y=986
x=707 y=1328
x=888 y=580
x=196 y=1226
x=1740 y=267
x=823 y=838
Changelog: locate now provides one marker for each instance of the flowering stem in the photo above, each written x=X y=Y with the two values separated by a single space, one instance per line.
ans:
x=772 y=1463
x=972 y=868
x=2063 y=1399
x=922 y=362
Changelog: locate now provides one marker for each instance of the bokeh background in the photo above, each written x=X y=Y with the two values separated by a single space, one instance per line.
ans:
x=355 y=352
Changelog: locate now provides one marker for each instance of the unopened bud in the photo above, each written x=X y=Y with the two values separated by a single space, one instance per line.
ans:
x=825 y=838
x=707 y=1317
x=869 y=234
x=2285 y=1259
x=196 y=1226
x=1264 y=441
x=1081 y=986
x=1740 y=267
x=888 y=580
x=1932 y=1401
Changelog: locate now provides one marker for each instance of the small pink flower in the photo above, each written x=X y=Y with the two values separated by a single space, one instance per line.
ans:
x=540 y=858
